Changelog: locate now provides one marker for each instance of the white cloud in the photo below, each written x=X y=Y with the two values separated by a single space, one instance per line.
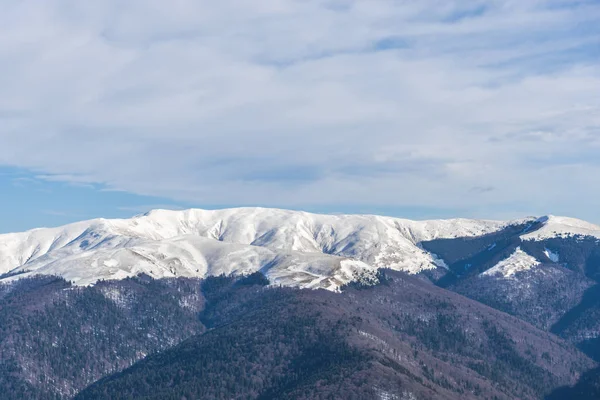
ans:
x=290 y=103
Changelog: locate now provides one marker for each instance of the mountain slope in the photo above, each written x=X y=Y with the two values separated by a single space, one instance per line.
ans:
x=553 y=226
x=587 y=388
x=401 y=339
x=548 y=276
x=56 y=339
x=292 y=248
x=194 y=256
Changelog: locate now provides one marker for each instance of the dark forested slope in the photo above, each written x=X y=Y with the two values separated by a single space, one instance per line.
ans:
x=561 y=294
x=587 y=388
x=403 y=338
x=56 y=339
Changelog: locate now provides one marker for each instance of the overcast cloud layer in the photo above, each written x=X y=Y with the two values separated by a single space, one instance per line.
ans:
x=492 y=106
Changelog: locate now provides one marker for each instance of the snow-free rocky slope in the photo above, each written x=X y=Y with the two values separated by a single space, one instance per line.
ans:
x=290 y=247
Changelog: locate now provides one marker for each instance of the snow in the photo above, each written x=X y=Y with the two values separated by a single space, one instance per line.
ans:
x=519 y=261
x=290 y=247
x=554 y=257
x=554 y=226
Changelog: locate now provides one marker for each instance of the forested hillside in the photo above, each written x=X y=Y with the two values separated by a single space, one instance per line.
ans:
x=55 y=338
x=558 y=290
x=402 y=337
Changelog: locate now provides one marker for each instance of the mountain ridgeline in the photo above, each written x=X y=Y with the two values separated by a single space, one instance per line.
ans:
x=291 y=248
x=552 y=283
x=211 y=304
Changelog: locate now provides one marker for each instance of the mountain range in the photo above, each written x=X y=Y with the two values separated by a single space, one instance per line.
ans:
x=532 y=286
x=291 y=248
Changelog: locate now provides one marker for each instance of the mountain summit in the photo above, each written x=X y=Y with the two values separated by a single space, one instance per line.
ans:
x=291 y=248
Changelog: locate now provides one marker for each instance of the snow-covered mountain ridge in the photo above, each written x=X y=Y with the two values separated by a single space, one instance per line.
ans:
x=290 y=247
x=553 y=226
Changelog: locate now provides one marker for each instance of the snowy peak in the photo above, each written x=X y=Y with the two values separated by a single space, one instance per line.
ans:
x=519 y=261
x=554 y=226
x=291 y=247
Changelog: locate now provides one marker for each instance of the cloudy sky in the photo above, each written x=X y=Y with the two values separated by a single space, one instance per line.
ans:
x=420 y=109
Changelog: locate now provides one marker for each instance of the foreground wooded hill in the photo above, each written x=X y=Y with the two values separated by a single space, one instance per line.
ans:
x=55 y=338
x=403 y=337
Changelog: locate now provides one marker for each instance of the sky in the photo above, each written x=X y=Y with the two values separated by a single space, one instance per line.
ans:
x=418 y=109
